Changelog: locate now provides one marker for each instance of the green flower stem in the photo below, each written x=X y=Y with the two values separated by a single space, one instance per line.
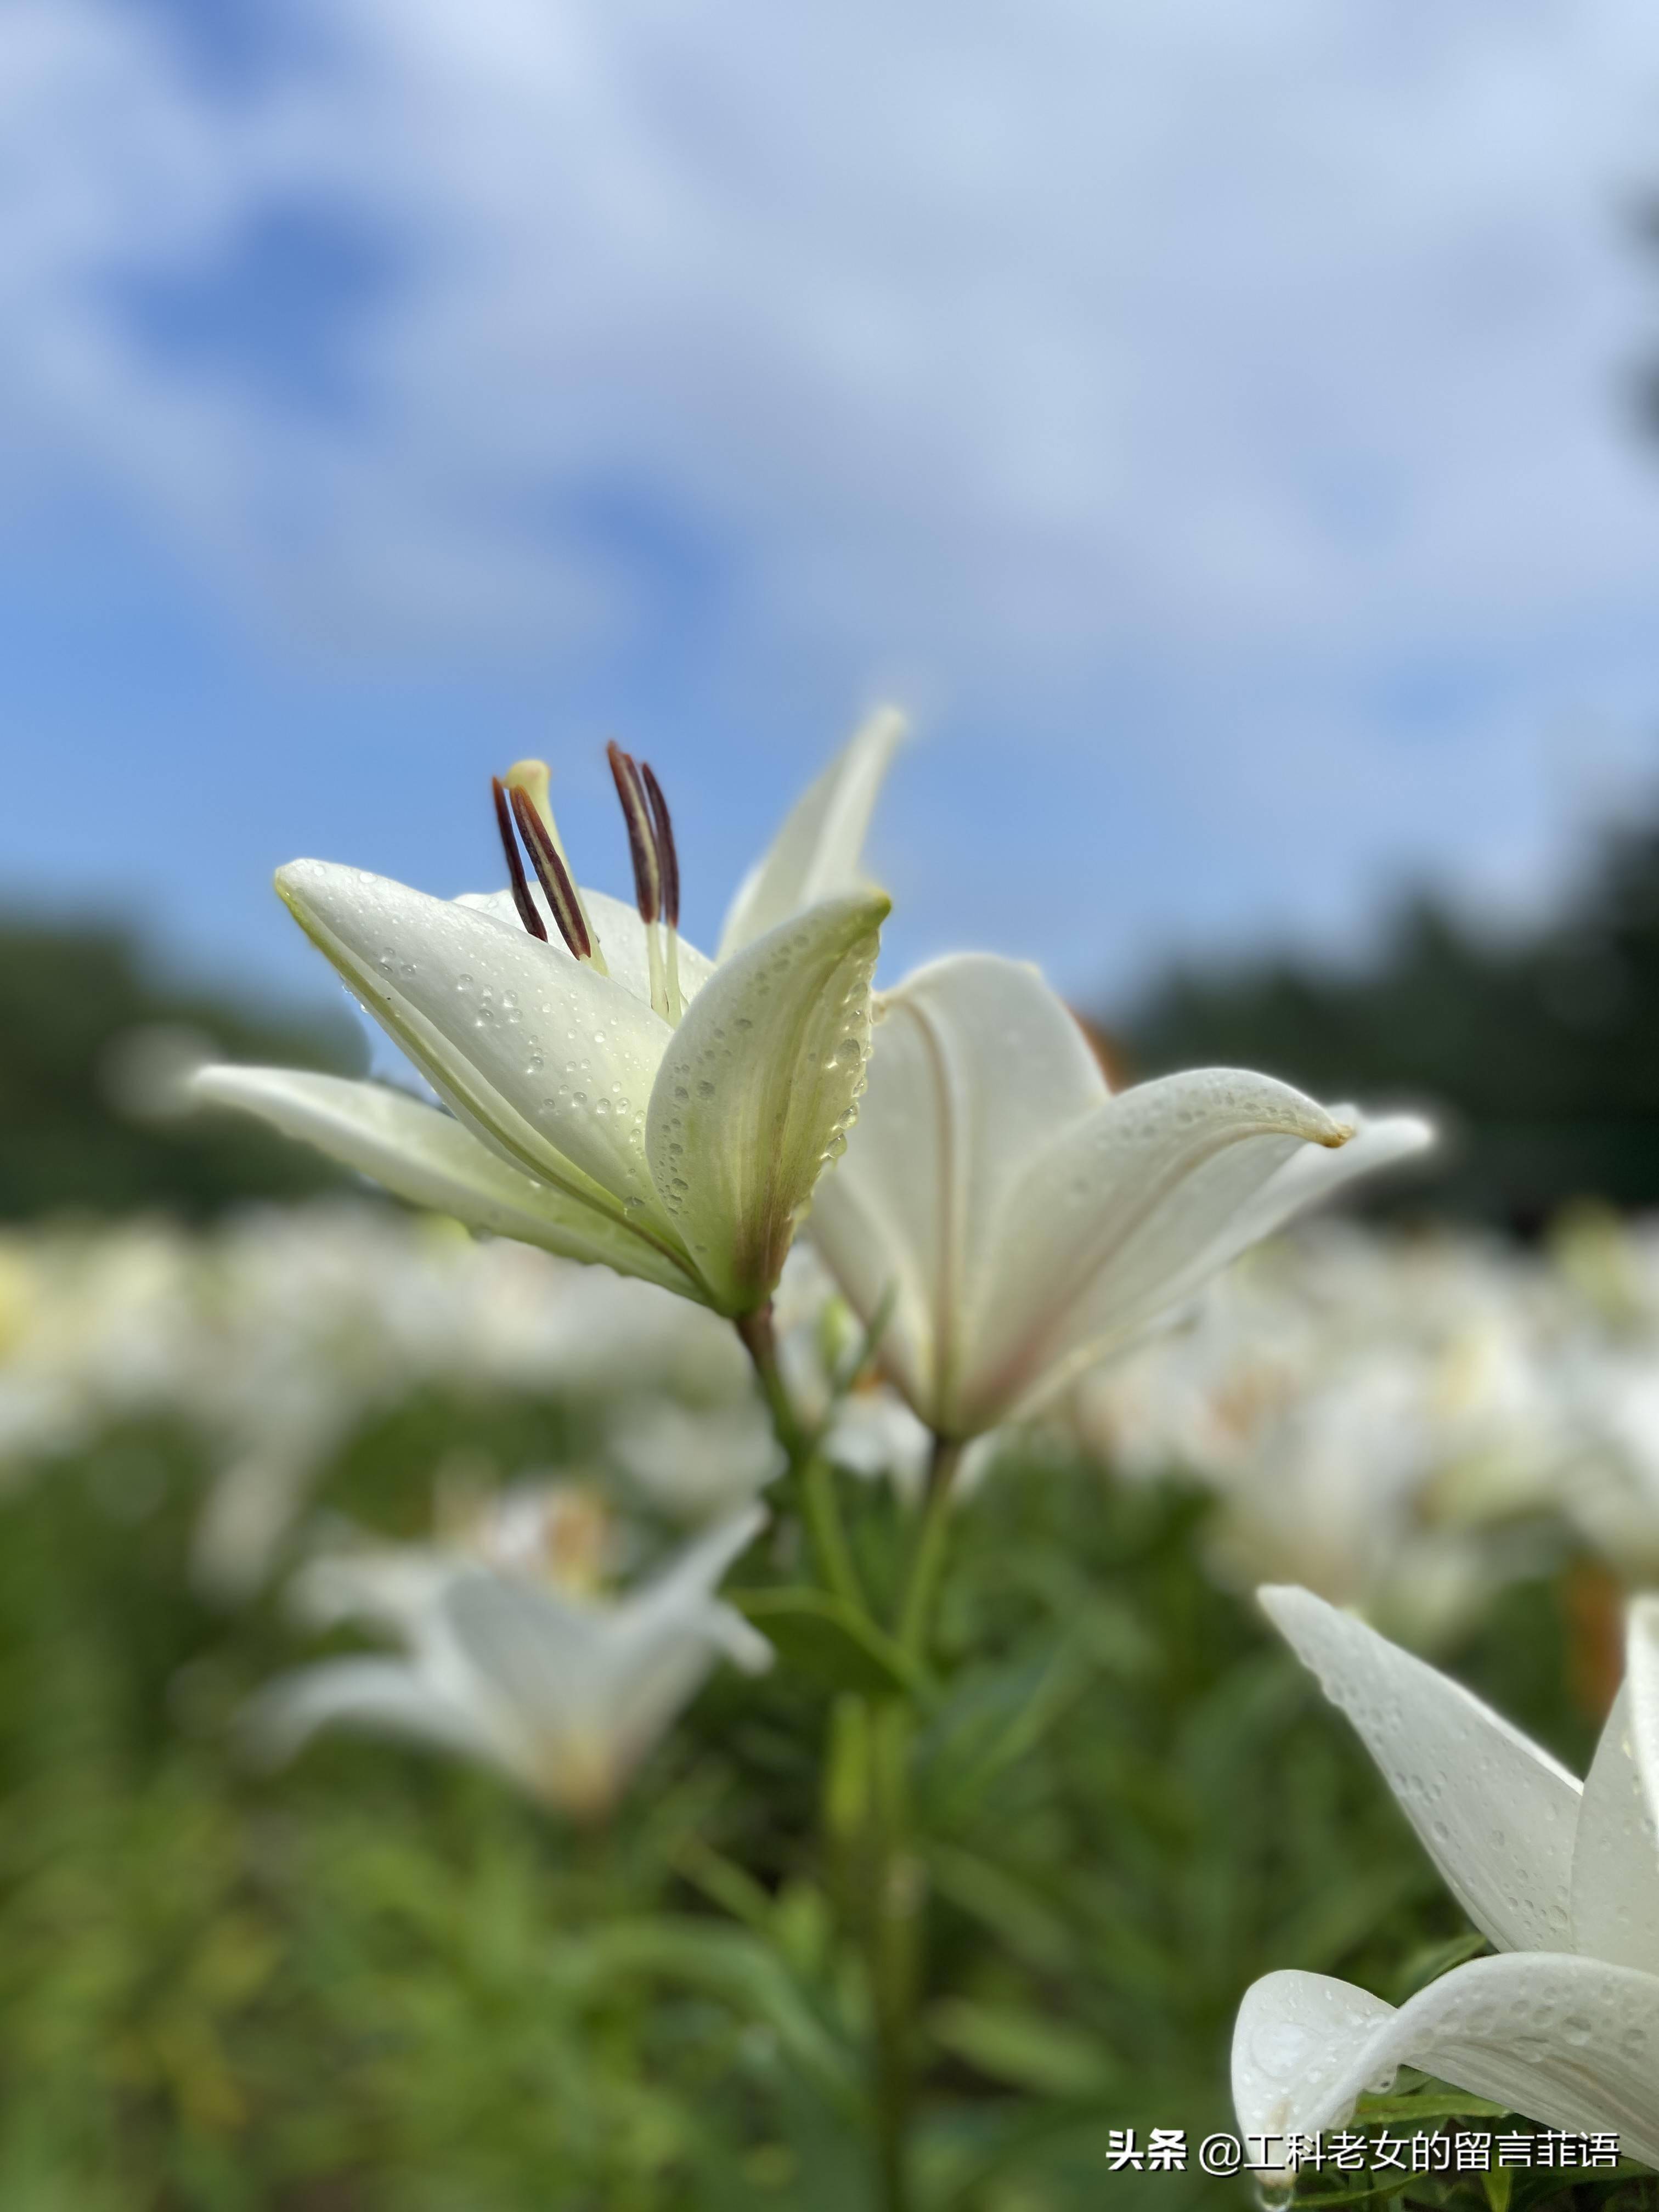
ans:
x=814 y=1477
x=868 y=1811
x=891 y=1948
x=928 y=1553
x=893 y=1924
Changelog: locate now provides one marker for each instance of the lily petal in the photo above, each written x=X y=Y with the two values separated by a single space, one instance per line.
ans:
x=549 y=1061
x=1642 y=1675
x=431 y=1160
x=685 y=1589
x=1105 y=1229
x=1565 y=2040
x=1615 y=1859
x=1496 y=1814
x=816 y=854
x=757 y=1088
x=576 y=1705
x=382 y=1695
x=621 y=933
x=977 y=1064
x=1293 y=2045
x=1315 y=1173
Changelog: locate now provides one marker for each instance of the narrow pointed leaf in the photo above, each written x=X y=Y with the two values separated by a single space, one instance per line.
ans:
x=818 y=1635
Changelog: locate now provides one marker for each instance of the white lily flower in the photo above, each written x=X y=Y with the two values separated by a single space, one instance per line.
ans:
x=695 y=1461
x=1562 y=1877
x=615 y=1096
x=1017 y=1223
x=1375 y=1415
x=559 y=1691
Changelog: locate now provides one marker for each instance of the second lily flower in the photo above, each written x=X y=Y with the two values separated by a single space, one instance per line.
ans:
x=1007 y=1222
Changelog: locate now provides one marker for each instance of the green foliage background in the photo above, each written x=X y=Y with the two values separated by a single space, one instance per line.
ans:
x=380 y=1983
x=69 y=994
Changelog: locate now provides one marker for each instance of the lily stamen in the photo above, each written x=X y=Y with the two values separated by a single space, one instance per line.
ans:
x=530 y=778
x=643 y=851
x=668 y=870
x=528 y=912
x=641 y=846
x=553 y=875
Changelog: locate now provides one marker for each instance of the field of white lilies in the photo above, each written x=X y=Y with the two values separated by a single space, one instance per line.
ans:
x=763 y=1645
x=239 y=1467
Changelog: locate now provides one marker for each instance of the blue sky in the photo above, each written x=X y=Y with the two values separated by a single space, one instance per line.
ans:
x=1211 y=420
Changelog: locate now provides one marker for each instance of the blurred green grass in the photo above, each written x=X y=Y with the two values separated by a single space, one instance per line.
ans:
x=377 y=1980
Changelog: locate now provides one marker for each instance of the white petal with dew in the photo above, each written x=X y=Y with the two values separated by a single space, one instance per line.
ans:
x=1312 y=1175
x=1568 y=2041
x=1642 y=1677
x=1099 y=1237
x=1615 y=1858
x=552 y=1062
x=1316 y=1173
x=1292 y=2044
x=815 y=855
x=757 y=1089
x=621 y=933
x=432 y=1160
x=977 y=1065
x=1497 y=1814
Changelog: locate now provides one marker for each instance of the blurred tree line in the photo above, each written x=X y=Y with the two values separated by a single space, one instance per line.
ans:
x=1539 y=1051
x=86 y=1031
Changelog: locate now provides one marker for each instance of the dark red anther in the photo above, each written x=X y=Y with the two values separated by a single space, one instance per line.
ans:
x=641 y=843
x=553 y=875
x=529 y=914
x=662 y=833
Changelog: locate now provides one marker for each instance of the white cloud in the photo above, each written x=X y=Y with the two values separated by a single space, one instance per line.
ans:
x=1247 y=357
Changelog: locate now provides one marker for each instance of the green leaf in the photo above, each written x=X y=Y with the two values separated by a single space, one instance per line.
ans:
x=1435 y=2104
x=821 y=1636
x=1434 y=1960
x=1007 y=2044
x=1005 y=1905
x=728 y=1963
x=1497 y=2181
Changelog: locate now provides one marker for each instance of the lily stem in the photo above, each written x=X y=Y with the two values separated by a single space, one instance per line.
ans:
x=891 y=1936
x=928 y=1553
x=814 y=1477
x=894 y=1926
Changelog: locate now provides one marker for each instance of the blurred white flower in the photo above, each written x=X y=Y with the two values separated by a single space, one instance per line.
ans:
x=1378 y=1418
x=513 y=1665
x=695 y=1461
x=1015 y=1222
x=1608 y=1381
x=615 y=1096
x=311 y=1320
x=1563 y=1877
